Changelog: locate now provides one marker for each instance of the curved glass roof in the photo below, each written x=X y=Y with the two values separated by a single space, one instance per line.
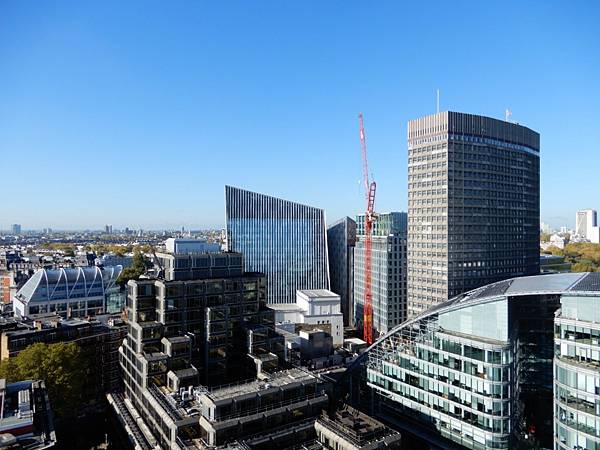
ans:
x=62 y=284
x=561 y=283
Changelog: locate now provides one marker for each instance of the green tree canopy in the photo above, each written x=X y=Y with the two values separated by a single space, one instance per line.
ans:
x=584 y=256
x=138 y=267
x=60 y=365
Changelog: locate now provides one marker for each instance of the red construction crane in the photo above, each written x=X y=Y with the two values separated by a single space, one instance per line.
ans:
x=369 y=220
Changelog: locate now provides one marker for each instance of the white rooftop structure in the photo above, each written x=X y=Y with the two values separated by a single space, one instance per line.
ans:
x=314 y=307
x=178 y=246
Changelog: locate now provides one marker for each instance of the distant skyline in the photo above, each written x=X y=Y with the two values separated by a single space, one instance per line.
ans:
x=138 y=114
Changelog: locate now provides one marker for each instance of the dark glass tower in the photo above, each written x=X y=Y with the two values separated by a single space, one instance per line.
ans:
x=341 y=239
x=473 y=205
x=284 y=240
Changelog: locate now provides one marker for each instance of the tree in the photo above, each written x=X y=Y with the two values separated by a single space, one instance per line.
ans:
x=62 y=367
x=583 y=256
x=138 y=267
x=545 y=237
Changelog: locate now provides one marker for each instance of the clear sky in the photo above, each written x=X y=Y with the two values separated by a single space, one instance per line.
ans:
x=138 y=113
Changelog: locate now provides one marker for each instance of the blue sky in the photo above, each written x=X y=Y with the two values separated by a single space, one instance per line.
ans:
x=138 y=113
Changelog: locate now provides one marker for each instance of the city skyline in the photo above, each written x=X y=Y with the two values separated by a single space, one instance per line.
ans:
x=310 y=225
x=102 y=102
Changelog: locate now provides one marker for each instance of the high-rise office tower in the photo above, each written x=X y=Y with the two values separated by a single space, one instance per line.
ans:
x=16 y=229
x=473 y=205
x=284 y=240
x=586 y=225
x=341 y=239
x=585 y=219
x=388 y=270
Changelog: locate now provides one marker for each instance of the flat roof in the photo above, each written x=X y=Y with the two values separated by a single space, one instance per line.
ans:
x=317 y=293
x=354 y=341
x=275 y=380
x=285 y=307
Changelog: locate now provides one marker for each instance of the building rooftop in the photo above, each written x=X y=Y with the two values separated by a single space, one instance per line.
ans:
x=585 y=283
x=46 y=322
x=358 y=428
x=25 y=417
x=53 y=284
x=277 y=379
x=559 y=283
x=317 y=293
x=285 y=307
x=357 y=341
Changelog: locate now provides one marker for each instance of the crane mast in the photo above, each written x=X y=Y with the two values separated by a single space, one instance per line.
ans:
x=370 y=188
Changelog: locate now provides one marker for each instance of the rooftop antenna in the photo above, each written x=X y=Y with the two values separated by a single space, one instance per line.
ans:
x=507 y=114
x=438 y=101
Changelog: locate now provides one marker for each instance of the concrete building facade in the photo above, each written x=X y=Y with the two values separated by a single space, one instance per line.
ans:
x=473 y=205
x=204 y=320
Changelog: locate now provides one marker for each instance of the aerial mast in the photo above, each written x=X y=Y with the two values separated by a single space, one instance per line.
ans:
x=370 y=188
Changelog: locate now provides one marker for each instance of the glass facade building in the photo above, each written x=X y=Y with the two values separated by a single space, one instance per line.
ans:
x=284 y=240
x=388 y=270
x=513 y=364
x=577 y=374
x=473 y=205
x=341 y=239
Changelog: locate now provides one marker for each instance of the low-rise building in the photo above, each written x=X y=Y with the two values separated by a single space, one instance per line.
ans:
x=350 y=429
x=245 y=409
x=179 y=245
x=318 y=308
x=26 y=420
x=315 y=344
x=554 y=264
x=74 y=292
x=556 y=240
x=98 y=338
x=112 y=259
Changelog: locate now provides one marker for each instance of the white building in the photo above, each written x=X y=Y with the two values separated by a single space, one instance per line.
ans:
x=555 y=241
x=594 y=235
x=314 y=307
x=76 y=292
x=545 y=228
x=177 y=246
x=585 y=222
